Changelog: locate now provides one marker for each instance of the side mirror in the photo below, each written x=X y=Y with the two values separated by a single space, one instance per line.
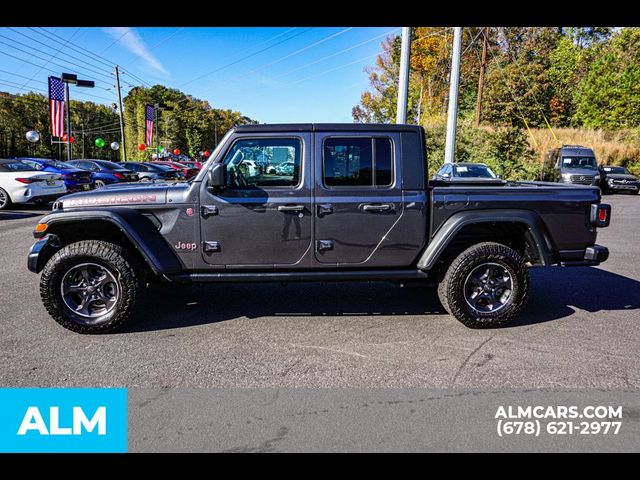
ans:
x=217 y=176
x=445 y=175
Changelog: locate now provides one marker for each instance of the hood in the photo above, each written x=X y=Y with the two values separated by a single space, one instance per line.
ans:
x=579 y=171
x=122 y=195
x=621 y=176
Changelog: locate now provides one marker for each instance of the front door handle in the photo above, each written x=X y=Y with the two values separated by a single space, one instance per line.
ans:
x=325 y=209
x=291 y=208
x=384 y=207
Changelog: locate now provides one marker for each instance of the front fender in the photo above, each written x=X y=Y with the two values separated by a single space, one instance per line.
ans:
x=536 y=233
x=138 y=229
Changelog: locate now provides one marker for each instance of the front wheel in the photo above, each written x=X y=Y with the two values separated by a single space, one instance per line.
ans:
x=486 y=286
x=5 y=200
x=100 y=184
x=90 y=286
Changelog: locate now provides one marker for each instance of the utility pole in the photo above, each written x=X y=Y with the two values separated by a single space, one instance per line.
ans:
x=68 y=120
x=483 y=63
x=83 y=141
x=122 y=139
x=454 y=84
x=403 y=81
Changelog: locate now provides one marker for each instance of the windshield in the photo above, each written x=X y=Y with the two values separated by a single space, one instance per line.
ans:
x=110 y=165
x=579 y=162
x=473 y=171
x=616 y=170
x=61 y=165
x=16 y=167
x=157 y=168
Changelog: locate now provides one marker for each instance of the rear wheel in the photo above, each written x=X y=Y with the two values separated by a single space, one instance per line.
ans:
x=91 y=286
x=486 y=286
x=5 y=200
x=100 y=184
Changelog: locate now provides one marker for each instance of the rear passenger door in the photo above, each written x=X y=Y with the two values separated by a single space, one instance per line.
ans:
x=358 y=197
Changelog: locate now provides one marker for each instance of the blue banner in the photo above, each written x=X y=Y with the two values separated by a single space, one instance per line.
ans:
x=63 y=420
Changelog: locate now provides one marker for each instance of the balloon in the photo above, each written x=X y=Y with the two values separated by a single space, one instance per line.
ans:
x=99 y=142
x=115 y=146
x=33 y=136
x=66 y=138
x=161 y=149
x=142 y=147
x=207 y=153
x=176 y=151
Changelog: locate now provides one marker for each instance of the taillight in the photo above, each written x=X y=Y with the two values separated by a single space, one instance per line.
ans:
x=26 y=180
x=66 y=175
x=119 y=176
x=600 y=215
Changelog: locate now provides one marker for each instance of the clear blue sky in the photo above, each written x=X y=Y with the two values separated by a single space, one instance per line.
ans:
x=275 y=74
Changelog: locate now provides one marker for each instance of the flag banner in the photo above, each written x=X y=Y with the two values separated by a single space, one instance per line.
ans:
x=149 y=117
x=56 y=106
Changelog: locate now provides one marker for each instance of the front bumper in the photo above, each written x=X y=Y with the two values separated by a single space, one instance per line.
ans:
x=622 y=187
x=592 y=255
x=41 y=252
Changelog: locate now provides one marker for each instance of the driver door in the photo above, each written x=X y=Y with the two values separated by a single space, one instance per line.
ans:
x=262 y=217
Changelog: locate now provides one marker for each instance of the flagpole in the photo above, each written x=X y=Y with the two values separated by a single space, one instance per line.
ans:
x=68 y=105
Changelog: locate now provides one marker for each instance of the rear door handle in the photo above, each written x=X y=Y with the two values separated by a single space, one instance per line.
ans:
x=291 y=208
x=385 y=207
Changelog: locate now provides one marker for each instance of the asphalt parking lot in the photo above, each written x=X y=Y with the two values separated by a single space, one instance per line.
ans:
x=580 y=330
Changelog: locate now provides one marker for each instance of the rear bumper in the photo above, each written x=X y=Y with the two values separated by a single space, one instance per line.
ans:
x=44 y=198
x=593 y=255
x=41 y=252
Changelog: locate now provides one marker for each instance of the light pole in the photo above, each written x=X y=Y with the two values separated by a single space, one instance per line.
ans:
x=70 y=78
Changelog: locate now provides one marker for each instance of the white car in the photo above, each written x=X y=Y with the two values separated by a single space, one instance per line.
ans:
x=21 y=183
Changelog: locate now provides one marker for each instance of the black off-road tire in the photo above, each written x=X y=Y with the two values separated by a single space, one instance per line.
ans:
x=451 y=288
x=127 y=271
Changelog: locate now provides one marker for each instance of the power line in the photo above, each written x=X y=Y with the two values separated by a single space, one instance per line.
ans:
x=45 y=53
x=65 y=43
x=336 y=53
x=157 y=44
x=325 y=39
x=535 y=98
x=53 y=56
x=245 y=57
x=74 y=46
x=127 y=29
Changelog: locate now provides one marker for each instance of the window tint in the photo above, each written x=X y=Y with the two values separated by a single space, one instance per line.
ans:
x=267 y=162
x=16 y=166
x=352 y=162
x=32 y=164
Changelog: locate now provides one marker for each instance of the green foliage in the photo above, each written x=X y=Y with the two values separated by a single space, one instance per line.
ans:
x=184 y=122
x=510 y=154
x=609 y=94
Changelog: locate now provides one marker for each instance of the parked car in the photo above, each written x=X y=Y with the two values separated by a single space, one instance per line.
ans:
x=285 y=168
x=465 y=172
x=617 y=179
x=149 y=172
x=23 y=183
x=104 y=172
x=192 y=164
x=75 y=179
x=571 y=164
x=188 y=171
x=369 y=213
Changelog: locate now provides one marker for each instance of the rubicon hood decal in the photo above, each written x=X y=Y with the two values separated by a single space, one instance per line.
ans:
x=112 y=199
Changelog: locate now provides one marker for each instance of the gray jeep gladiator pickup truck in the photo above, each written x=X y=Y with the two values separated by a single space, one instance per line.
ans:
x=313 y=202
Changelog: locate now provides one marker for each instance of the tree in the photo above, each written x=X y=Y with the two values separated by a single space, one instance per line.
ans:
x=608 y=96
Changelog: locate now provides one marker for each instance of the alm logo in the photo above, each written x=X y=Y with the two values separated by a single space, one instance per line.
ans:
x=63 y=420
x=33 y=421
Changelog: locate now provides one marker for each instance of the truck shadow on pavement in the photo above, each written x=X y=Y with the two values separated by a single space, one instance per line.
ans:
x=556 y=294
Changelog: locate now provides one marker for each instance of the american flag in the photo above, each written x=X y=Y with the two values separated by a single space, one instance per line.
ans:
x=56 y=106
x=149 y=117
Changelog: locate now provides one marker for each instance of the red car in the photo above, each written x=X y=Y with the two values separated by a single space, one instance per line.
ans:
x=188 y=171
x=193 y=164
